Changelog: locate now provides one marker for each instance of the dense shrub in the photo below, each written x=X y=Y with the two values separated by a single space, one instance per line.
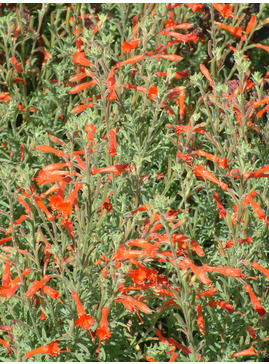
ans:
x=134 y=182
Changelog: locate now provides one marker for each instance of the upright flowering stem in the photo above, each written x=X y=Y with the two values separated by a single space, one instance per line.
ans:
x=89 y=199
x=242 y=106
x=104 y=100
x=189 y=323
x=243 y=45
x=14 y=238
x=213 y=30
x=42 y=217
x=184 y=300
x=205 y=99
x=17 y=263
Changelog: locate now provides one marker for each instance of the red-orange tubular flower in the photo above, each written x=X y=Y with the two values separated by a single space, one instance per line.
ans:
x=8 y=291
x=16 y=64
x=172 y=342
x=221 y=209
x=201 y=171
x=170 y=25
x=80 y=309
x=249 y=351
x=227 y=271
x=68 y=225
x=64 y=207
x=206 y=73
x=5 y=240
x=78 y=77
x=36 y=286
x=24 y=273
x=256 y=303
x=194 y=6
x=60 y=192
x=56 y=140
x=225 y=10
x=264 y=110
x=80 y=162
x=201 y=323
x=251 y=24
x=221 y=162
x=112 y=142
x=142 y=273
x=43 y=207
x=251 y=332
x=223 y=305
x=5 y=96
x=48 y=149
x=116 y=168
x=256 y=207
x=131 y=60
x=185 y=128
x=127 y=47
x=5 y=343
x=261 y=102
x=198 y=272
x=51 y=349
x=81 y=87
x=230 y=243
x=185 y=157
x=197 y=249
x=111 y=86
x=6 y=278
x=258 y=173
x=172 y=5
x=51 y=292
x=182 y=37
x=22 y=147
x=80 y=59
x=103 y=332
x=132 y=304
x=71 y=198
x=91 y=129
x=181 y=104
x=25 y=204
x=209 y=293
x=237 y=32
x=138 y=88
x=152 y=92
x=52 y=189
x=56 y=166
x=258 y=45
x=43 y=316
x=17 y=222
x=257 y=266
x=80 y=108
x=148 y=358
x=57 y=203
x=84 y=320
x=123 y=253
x=169 y=57
x=53 y=176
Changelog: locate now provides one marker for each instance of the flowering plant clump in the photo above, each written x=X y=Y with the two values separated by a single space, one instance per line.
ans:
x=134 y=213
